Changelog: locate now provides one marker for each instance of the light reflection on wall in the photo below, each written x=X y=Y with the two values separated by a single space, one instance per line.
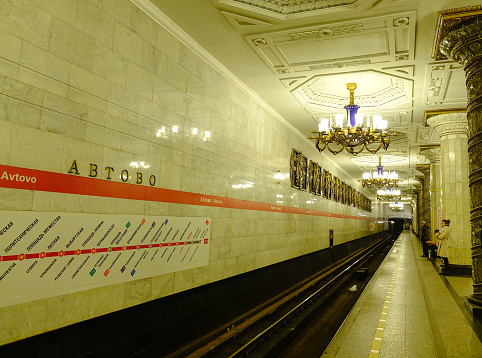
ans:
x=243 y=186
x=139 y=165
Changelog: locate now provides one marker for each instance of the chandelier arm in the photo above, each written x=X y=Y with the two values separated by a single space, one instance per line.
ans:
x=334 y=151
x=352 y=151
x=317 y=145
x=373 y=151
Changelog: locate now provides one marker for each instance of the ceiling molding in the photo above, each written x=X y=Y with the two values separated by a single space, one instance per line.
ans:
x=383 y=39
x=445 y=85
x=289 y=9
x=242 y=23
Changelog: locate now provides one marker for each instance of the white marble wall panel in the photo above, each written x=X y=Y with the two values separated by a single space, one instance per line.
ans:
x=40 y=80
x=71 y=44
x=26 y=21
x=64 y=10
x=128 y=44
x=44 y=62
x=109 y=64
x=113 y=85
x=8 y=68
x=10 y=46
x=94 y=22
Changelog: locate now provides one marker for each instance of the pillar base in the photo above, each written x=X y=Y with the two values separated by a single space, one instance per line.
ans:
x=473 y=308
x=457 y=270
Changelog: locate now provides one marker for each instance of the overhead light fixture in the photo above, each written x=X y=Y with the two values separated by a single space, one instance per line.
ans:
x=398 y=208
x=389 y=195
x=352 y=135
x=380 y=179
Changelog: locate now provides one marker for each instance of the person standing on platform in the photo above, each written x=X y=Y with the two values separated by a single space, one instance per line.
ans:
x=443 y=243
x=424 y=238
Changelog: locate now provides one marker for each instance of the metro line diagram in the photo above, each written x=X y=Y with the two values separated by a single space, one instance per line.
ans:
x=77 y=251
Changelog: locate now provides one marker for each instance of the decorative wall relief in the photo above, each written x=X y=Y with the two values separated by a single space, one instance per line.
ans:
x=320 y=181
x=336 y=189
x=298 y=170
x=314 y=178
x=327 y=184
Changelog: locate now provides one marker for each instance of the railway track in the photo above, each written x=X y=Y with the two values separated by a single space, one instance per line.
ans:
x=303 y=319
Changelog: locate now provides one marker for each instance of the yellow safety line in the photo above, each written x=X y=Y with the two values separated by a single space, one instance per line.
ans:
x=377 y=340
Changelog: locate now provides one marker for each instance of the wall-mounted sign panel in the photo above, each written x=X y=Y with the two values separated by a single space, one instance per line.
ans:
x=46 y=254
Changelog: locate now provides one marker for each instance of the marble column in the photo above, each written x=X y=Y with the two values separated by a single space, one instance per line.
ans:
x=433 y=155
x=416 y=209
x=462 y=42
x=421 y=204
x=425 y=170
x=452 y=129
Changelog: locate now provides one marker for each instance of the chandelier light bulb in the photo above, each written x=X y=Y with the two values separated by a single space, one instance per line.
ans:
x=359 y=119
x=324 y=125
x=377 y=121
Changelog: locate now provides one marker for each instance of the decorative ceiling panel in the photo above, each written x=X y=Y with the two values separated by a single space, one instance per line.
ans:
x=445 y=84
x=375 y=90
x=286 y=9
x=345 y=44
x=240 y=22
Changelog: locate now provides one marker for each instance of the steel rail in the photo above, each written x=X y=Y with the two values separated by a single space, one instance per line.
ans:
x=272 y=328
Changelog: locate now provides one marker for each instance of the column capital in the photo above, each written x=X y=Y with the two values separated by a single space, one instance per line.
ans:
x=424 y=169
x=449 y=123
x=432 y=154
x=462 y=42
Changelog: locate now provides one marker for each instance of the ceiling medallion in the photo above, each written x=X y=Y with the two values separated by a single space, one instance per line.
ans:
x=351 y=134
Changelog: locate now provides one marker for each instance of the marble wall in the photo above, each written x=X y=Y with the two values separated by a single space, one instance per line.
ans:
x=101 y=82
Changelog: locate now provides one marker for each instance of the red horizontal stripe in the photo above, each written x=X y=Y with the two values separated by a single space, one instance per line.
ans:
x=105 y=249
x=89 y=251
x=132 y=247
x=144 y=246
x=74 y=184
x=51 y=254
x=32 y=256
x=118 y=248
x=70 y=252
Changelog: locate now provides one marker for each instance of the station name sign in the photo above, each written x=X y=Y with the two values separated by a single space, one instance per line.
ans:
x=124 y=175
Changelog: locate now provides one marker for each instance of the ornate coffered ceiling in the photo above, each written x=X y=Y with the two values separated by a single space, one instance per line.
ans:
x=298 y=55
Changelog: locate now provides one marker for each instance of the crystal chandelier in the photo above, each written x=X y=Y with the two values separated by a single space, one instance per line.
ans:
x=353 y=136
x=389 y=195
x=398 y=208
x=380 y=178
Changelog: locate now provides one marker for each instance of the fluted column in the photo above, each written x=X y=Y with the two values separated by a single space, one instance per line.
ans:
x=416 y=209
x=420 y=216
x=463 y=43
x=433 y=155
x=425 y=170
x=452 y=129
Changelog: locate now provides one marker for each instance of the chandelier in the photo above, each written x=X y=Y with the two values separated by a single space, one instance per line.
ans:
x=389 y=195
x=398 y=208
x=353 y=136
x=380 y=178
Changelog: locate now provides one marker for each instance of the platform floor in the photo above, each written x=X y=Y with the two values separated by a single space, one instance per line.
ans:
x=409 y=310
